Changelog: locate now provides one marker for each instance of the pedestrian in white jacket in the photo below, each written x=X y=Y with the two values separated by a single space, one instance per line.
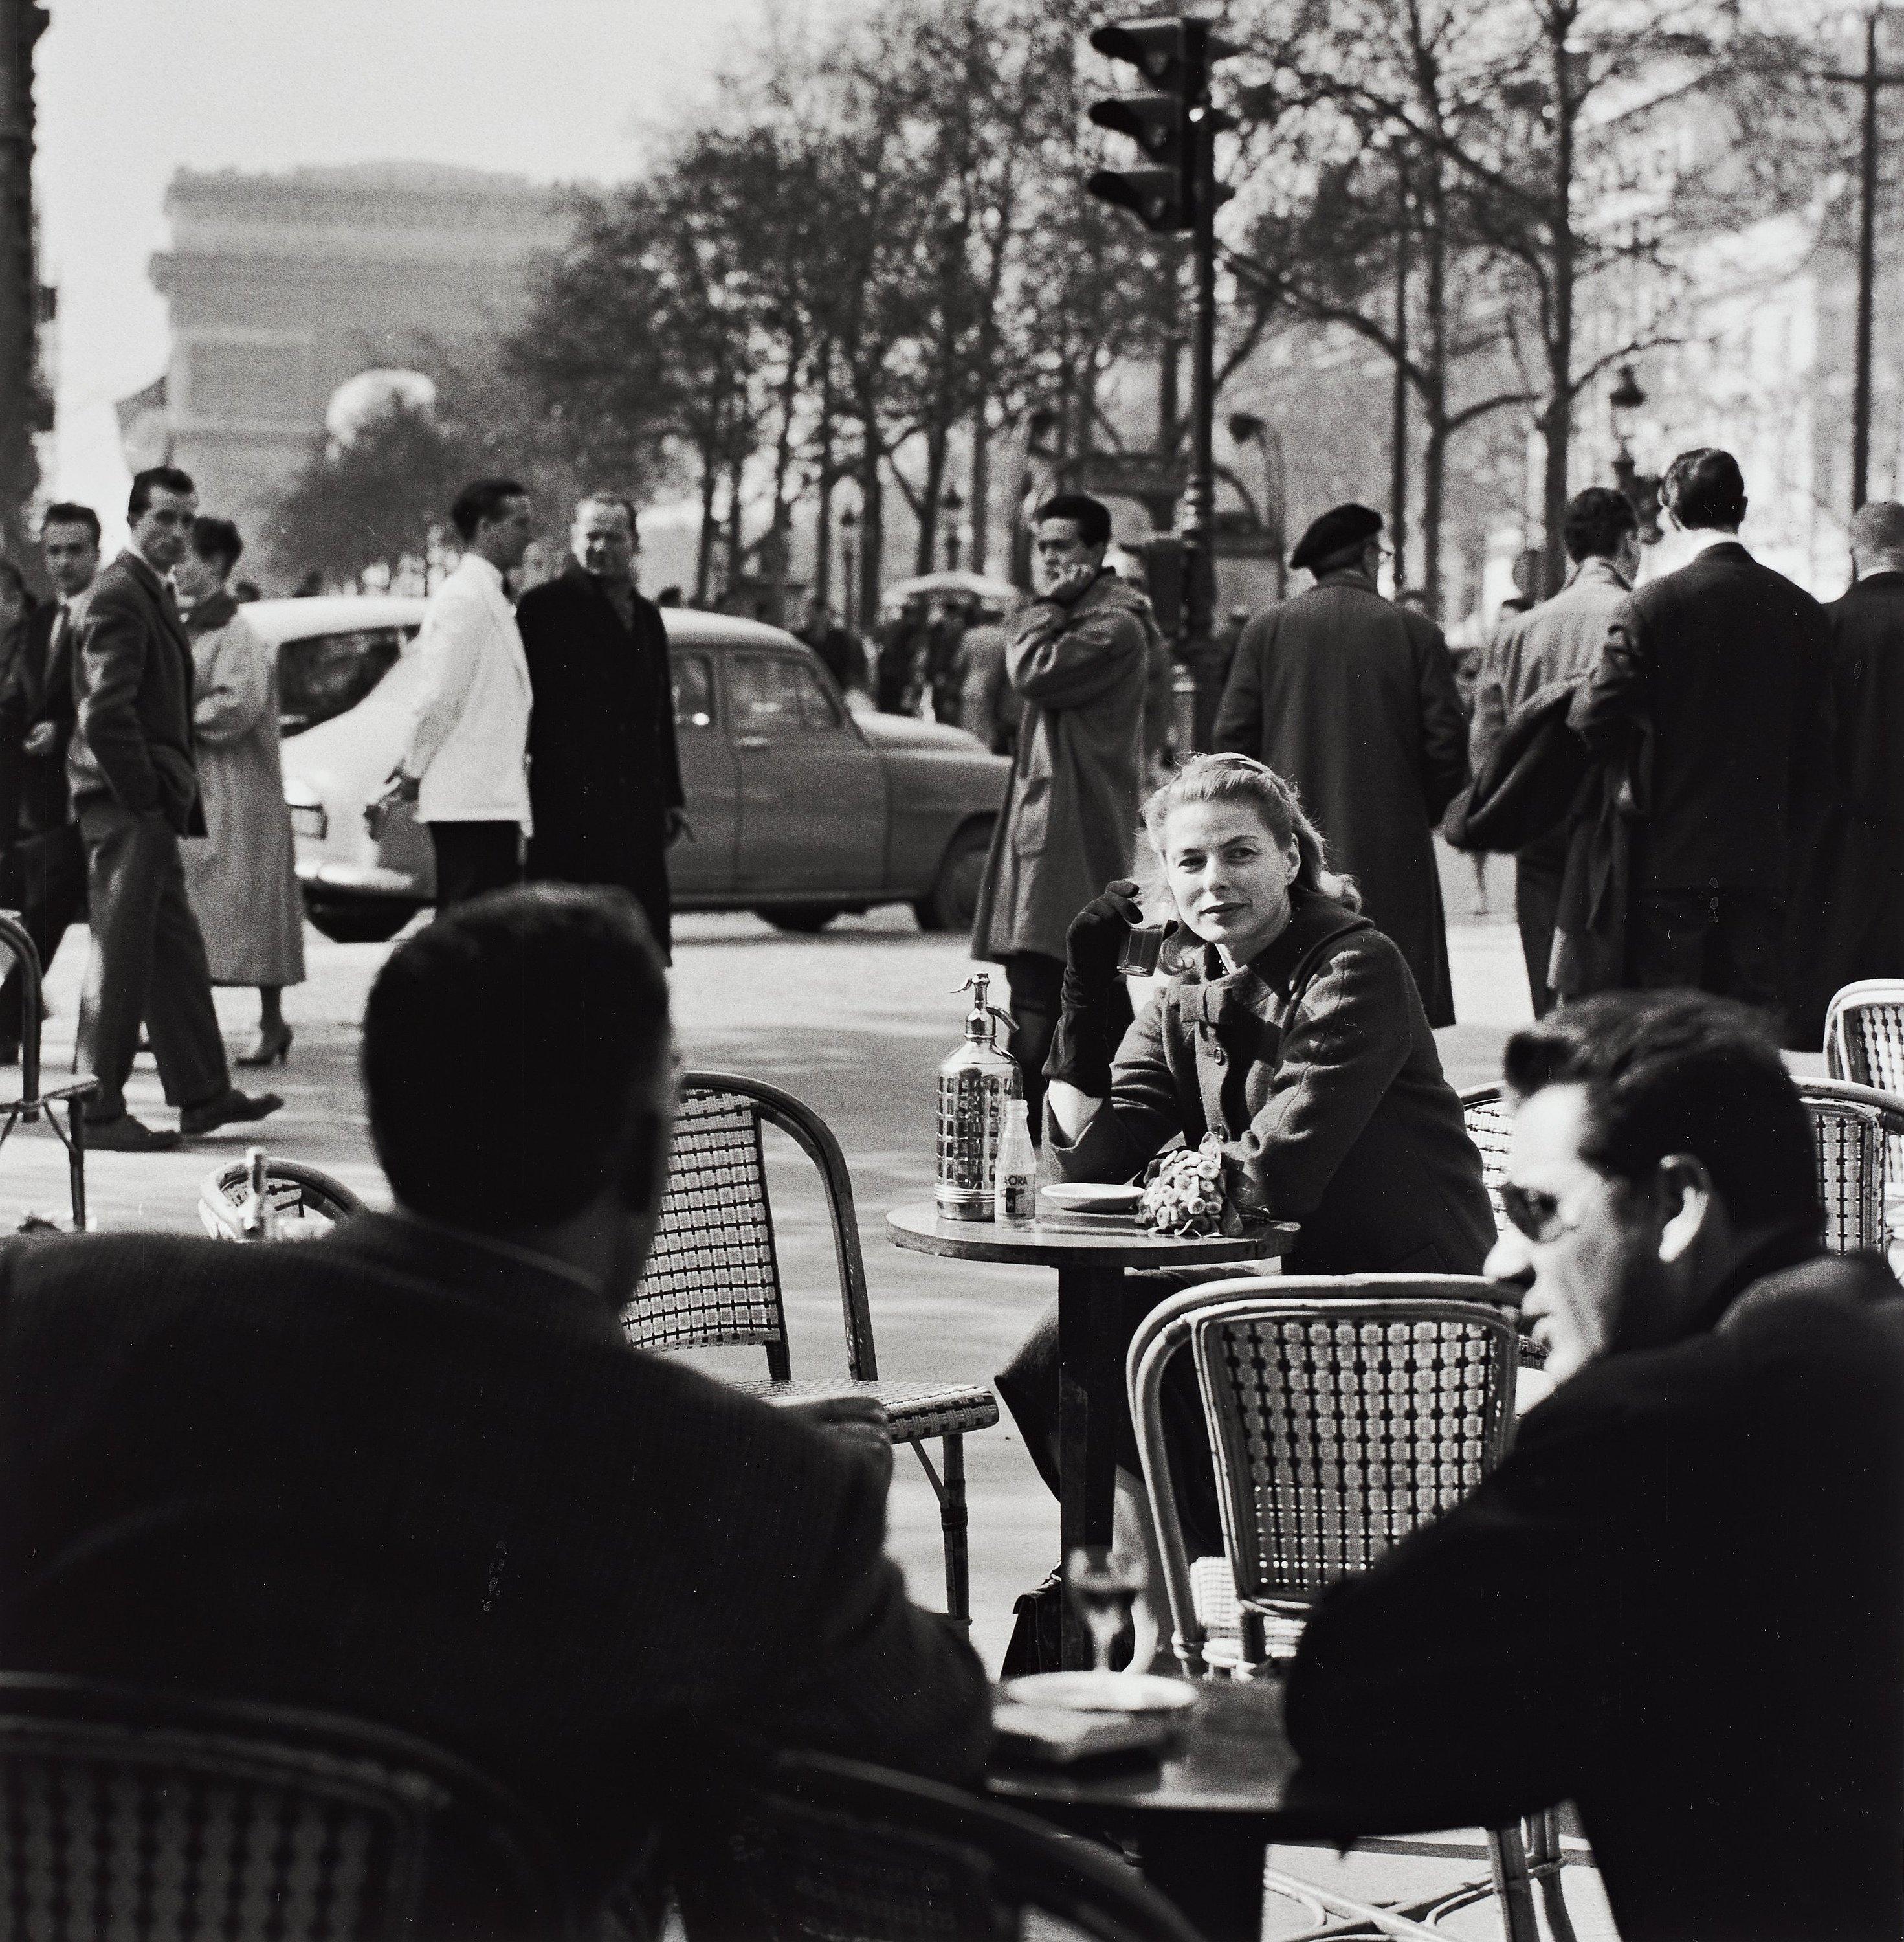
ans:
x=466 y=765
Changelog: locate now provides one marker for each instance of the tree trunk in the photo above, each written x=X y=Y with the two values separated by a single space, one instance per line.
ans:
x=929 y=500
x=982 y=490
x=872 y=533
x=704 y=550
x=823 y=527
x=736 y=554
x=1434 y=454
x=1558 y=428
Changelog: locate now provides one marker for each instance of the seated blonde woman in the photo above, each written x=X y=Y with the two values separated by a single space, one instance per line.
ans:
x=1293 y=1032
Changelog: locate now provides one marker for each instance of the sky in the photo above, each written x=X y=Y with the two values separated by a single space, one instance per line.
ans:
x=130 y=91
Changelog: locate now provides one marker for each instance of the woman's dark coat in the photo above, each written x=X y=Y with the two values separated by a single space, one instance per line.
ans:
x=1315 y=1066
x=604 y=771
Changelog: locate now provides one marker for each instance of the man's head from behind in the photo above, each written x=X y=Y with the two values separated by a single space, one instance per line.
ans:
x=1878 y=537
x=1658 y=1138
x=1601 y=524
x=518 y=1067
x=1704 y=491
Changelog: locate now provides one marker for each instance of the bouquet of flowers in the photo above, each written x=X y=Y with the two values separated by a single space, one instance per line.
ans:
x=1184 y=1194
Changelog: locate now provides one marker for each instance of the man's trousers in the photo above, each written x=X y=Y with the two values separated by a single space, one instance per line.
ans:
x=1537 y=909
x=474 y=858
x=1727 y=942
x=148 y=962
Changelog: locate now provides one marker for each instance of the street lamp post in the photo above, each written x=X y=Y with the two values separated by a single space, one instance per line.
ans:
x=1640 y=490
x=850 y=556
x=951 y=507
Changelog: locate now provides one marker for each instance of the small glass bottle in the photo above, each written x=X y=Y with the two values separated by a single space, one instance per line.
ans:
x=1017 y=1166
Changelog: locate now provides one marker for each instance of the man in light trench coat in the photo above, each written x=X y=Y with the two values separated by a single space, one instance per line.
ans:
x=1078 y=660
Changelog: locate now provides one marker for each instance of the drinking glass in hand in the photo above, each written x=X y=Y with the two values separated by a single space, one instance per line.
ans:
x=1103 y=1587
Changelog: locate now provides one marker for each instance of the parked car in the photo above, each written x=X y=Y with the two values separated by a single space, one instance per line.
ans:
x=801 y=809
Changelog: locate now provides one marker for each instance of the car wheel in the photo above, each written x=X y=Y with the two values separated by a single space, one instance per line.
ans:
x=802 y=919
x=368 y=921
x=952 y=903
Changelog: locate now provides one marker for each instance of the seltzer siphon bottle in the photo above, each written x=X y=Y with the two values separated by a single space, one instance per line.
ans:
x=975 y=1085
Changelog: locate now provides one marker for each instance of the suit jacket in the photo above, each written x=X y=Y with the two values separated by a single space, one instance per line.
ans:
x=1847 y=901
x=1081 y=669
x=469 y=724
x=1724 y=661
x=1315 y=1067
x=1353 y=700
x=399 y=1473
x=1679 y=1603
x=604 y=768
x=132 y=738
x=34 y=797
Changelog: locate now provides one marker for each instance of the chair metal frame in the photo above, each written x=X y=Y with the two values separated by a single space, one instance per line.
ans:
x=1485 y=1113
x=80 y=1757
x=1200 y=1319
x=33 y=1098
x=1864 y=1034
x=708 y=1257
x=1859 y=1133
x=809 y=1844
x=292 y=1188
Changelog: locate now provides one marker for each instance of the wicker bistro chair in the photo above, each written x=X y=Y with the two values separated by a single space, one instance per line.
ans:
x=1864 y=1034
x=136 y=1815
x=1344 y=1412
x=33 y=1098
x=1859 y=1134
x=292 y=1188
x=714 y=1279
x=816 y=1846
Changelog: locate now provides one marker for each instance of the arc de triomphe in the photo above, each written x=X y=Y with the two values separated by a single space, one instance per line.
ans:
x=281 y=287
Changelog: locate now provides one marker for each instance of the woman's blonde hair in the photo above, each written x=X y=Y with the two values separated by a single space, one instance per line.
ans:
x=1243 y=779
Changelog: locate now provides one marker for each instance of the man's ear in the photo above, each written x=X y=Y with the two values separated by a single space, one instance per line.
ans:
x=1688 y=1203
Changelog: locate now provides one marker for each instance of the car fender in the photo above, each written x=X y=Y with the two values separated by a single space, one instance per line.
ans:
x=933 y=794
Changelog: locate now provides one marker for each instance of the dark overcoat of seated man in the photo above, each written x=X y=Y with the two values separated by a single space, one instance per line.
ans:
x=412 y=1471
x=1679 y=1601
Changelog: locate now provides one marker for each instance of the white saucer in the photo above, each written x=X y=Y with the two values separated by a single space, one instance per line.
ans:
x=1092 y=1197
x=1103 y=1691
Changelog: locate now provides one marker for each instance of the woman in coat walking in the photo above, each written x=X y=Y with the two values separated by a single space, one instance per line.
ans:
x=1292 y=1037
x=241 y=875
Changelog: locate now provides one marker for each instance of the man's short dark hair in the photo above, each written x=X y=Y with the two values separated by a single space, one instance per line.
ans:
x=1596 y=522
x=1091 y=517
x=482 y=499
x=620 y=499
x=219 y=540
x=145 y=484
x=1705 y=487
x=68 y=513
x=1680 y=1072
x=510 y=1049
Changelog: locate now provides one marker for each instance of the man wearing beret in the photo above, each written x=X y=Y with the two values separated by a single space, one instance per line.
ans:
x=1352 y=698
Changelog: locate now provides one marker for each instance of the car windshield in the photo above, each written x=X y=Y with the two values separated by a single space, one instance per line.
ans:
x=325 y=675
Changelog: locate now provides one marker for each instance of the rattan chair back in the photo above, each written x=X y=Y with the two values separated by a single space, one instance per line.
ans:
x=1489 y=1122
x=292 y=1189
x=1343 y=1411
x=1864 y=1034
x=1859 y=1133
x=147 y=1817
x=813 y=1846
x=713 y=1279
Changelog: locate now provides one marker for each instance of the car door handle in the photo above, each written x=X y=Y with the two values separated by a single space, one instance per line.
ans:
x=753 y=741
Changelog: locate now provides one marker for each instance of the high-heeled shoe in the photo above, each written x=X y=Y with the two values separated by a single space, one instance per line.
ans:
x=271 y=1048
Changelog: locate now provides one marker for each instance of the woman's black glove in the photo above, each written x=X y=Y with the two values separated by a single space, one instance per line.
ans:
x=1097 y=1004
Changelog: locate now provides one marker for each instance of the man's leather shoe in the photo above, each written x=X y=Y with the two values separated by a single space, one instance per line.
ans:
x=127 y=1134
x=231 y=1108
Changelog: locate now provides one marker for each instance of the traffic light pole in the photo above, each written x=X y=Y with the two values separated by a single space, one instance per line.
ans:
x=1199 y=648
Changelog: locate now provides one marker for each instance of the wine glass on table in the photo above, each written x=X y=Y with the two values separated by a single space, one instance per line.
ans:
x=1103 y=1586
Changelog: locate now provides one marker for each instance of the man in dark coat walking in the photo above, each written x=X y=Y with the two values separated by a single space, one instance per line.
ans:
x=1352 y=698
x=604 y=775
x=1847 y=897
x=48 y=859
x=1720 y=666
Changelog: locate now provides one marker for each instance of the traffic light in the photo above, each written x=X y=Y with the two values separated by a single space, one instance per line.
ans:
x=1174 y=123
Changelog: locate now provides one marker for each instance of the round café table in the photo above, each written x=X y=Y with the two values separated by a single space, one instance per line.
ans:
x=1201 y=1813
x=1090 y=1254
